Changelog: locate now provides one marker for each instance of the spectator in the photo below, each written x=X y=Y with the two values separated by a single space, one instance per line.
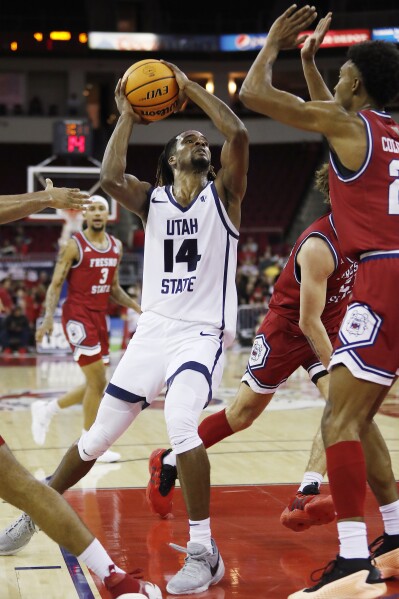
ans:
x=22 y=241
x=5 y=296
x=249 y=267
x=248 y=251
x=8 y=248
x=73 y=105
x=266 y=259
x=35 y=107
x=16 y=332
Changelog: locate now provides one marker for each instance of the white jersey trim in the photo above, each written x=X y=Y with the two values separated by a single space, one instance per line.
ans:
x=356 y=175
x=76 y=238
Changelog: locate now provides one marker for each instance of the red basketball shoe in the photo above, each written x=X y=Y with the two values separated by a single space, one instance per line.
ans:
x=121 y=584
x=308 y=508
x=161 y=486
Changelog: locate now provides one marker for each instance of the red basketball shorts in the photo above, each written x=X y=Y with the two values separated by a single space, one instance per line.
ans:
x=87 y=333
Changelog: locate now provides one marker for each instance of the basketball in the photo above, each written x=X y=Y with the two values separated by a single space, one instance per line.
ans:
x=151 y=89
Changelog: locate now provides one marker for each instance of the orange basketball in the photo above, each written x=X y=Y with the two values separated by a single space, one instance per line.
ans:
x=152 y=89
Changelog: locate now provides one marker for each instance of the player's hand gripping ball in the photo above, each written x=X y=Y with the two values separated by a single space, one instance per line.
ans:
x=151 y=89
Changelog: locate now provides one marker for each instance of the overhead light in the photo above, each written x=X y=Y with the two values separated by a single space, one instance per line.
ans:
x=210 y=86
x=232 y=86
x=60 y=36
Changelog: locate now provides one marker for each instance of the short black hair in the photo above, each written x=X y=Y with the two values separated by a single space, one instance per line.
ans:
x=378 y=64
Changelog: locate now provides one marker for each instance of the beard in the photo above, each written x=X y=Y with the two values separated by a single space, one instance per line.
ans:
x=97 y=227
x=201 y=163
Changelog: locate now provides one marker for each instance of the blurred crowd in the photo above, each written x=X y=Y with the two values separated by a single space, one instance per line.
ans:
x=257 y=273
x=22 y=296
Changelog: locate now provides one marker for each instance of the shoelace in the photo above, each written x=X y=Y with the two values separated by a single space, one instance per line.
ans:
x=15 y=530
x=299 y=501
x=324 y=571
x=375 y=545
x=192 y=562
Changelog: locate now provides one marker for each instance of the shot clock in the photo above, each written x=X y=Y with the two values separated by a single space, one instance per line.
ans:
x=72 y=137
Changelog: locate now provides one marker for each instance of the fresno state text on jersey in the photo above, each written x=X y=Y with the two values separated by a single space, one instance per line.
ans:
x=90 y=279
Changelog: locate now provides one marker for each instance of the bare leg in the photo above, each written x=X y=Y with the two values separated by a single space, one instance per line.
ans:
x=379 y=466
x=94 y=389
x=317 y=458
x=46 y=507
x=246 y=407
x=70 y=470
x=194 y=474
x=73 y=397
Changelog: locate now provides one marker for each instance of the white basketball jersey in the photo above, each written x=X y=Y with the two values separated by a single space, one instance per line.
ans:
x=190 y=260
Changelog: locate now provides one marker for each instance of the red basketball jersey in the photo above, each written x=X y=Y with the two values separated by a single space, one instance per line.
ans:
x=285 y=300
x=365 y=204
x=90 y=279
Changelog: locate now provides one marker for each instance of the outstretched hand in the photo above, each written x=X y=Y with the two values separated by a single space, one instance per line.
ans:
x=285 y=29
x=67 y=198
x=314 y=41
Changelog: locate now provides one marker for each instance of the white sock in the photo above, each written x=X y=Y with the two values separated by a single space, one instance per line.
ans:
x=97 y=559
x=200 y=532
x=352 y=539
x=390 y=516
x=170 y=459
x=53 y=407
x=309 y=478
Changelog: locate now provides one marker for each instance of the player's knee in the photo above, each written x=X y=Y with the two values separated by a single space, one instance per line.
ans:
x=182 y=410
x=97 y=384
x=93 y=443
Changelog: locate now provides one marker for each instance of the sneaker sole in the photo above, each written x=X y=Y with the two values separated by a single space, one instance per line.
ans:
x=14 y=551
x=388 y=564
x=354 y=585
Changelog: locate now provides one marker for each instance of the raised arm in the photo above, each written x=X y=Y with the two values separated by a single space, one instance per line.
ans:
x=14 y=207
x=257 y=92
x=318 y=90
x=126 y=189
x=343 y=129
x=231 y=181
x=68 y=254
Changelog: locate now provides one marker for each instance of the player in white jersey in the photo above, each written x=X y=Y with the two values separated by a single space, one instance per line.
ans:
x=189 y=306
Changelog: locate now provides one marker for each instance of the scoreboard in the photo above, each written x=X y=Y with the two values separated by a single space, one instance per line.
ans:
x=72 y=137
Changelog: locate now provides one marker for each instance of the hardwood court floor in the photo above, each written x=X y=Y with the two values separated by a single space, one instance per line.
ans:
x=253 y=474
